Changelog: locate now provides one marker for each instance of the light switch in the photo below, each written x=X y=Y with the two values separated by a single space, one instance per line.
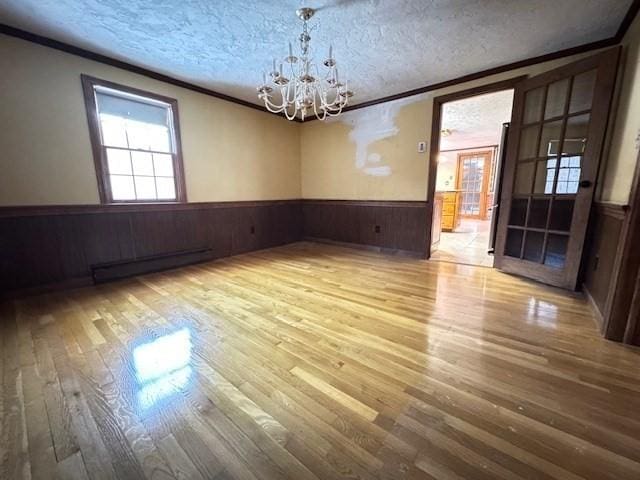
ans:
x=422 y=147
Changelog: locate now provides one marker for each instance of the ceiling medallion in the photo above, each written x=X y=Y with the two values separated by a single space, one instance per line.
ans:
x=303 y=89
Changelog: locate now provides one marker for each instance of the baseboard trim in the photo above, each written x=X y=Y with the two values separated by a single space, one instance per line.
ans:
x=371 y=248
x=597 y=314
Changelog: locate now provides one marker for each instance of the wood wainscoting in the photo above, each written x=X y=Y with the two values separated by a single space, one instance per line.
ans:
x=49 y=247
x=602 y=257
x=57 y=246
x=391 y=226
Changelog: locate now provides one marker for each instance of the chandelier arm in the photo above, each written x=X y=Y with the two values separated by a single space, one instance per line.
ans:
x=336 y=99
x=284 y=94
x=288 y=115
x=291 y=93
x=272 y=107
x=273 y=110
x=333 y=107
x=315 y=109
x=338 y=110
x=291 y=101
x=336 y=113
x=322 y=118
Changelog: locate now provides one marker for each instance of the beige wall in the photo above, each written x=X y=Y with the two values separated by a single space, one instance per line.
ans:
x=236 y=153
x=230 y=152
x=447 y=171
x=371 y=153
x=626 y=127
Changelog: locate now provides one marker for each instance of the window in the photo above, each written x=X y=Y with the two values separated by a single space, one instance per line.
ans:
x=136 y=144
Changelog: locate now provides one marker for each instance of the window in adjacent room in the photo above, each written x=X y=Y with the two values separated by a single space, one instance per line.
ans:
x=136 y=144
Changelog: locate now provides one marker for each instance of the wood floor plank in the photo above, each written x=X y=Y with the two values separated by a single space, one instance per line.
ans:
x=72 y=468
x=351 y=403
x=183 y=467
x=315 y=362
x=95 y=454
x=15 y=458
x=58 y=415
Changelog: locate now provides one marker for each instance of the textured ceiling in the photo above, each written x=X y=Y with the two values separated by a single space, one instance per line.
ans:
x=476 y=121
x=385 y=46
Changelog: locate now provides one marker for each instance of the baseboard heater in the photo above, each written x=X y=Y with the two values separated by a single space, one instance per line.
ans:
x=105 y=272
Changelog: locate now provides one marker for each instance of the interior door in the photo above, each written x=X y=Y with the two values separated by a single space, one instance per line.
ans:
x=555 y=142
x=473 y=182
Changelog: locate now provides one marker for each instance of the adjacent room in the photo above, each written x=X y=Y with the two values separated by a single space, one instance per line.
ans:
x=363 y=239
x=472 y=140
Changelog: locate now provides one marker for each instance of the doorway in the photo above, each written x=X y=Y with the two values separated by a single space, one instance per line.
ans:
x=545 y=177
x=468 y=162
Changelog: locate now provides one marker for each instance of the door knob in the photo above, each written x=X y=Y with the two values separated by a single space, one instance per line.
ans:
x=585 y=183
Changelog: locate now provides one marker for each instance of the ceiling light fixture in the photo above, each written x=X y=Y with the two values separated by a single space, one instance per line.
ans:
x=305 y=91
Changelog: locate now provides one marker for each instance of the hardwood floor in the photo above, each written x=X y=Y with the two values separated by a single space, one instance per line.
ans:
x=315 y=362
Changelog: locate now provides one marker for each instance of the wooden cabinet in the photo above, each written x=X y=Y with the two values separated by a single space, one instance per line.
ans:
x=450 y=210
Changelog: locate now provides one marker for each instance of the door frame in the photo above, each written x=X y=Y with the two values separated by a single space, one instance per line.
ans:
x=622 y=315
x=436 y=126
x=486 y=174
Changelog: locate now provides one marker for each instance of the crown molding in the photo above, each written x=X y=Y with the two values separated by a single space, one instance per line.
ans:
x=627 y=20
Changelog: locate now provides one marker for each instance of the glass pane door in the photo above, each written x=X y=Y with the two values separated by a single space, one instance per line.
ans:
x=558 y=128
x=473 y=173
x=552 y=143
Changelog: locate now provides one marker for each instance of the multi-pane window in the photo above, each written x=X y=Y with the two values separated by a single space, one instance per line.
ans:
x=135 y=140
x=568 y=175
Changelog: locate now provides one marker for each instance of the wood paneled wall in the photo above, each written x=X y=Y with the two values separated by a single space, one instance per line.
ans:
x=391 y=226
x=601 y=260
x=58 y=245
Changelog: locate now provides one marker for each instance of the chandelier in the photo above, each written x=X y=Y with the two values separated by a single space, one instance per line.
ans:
x=302 y=87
